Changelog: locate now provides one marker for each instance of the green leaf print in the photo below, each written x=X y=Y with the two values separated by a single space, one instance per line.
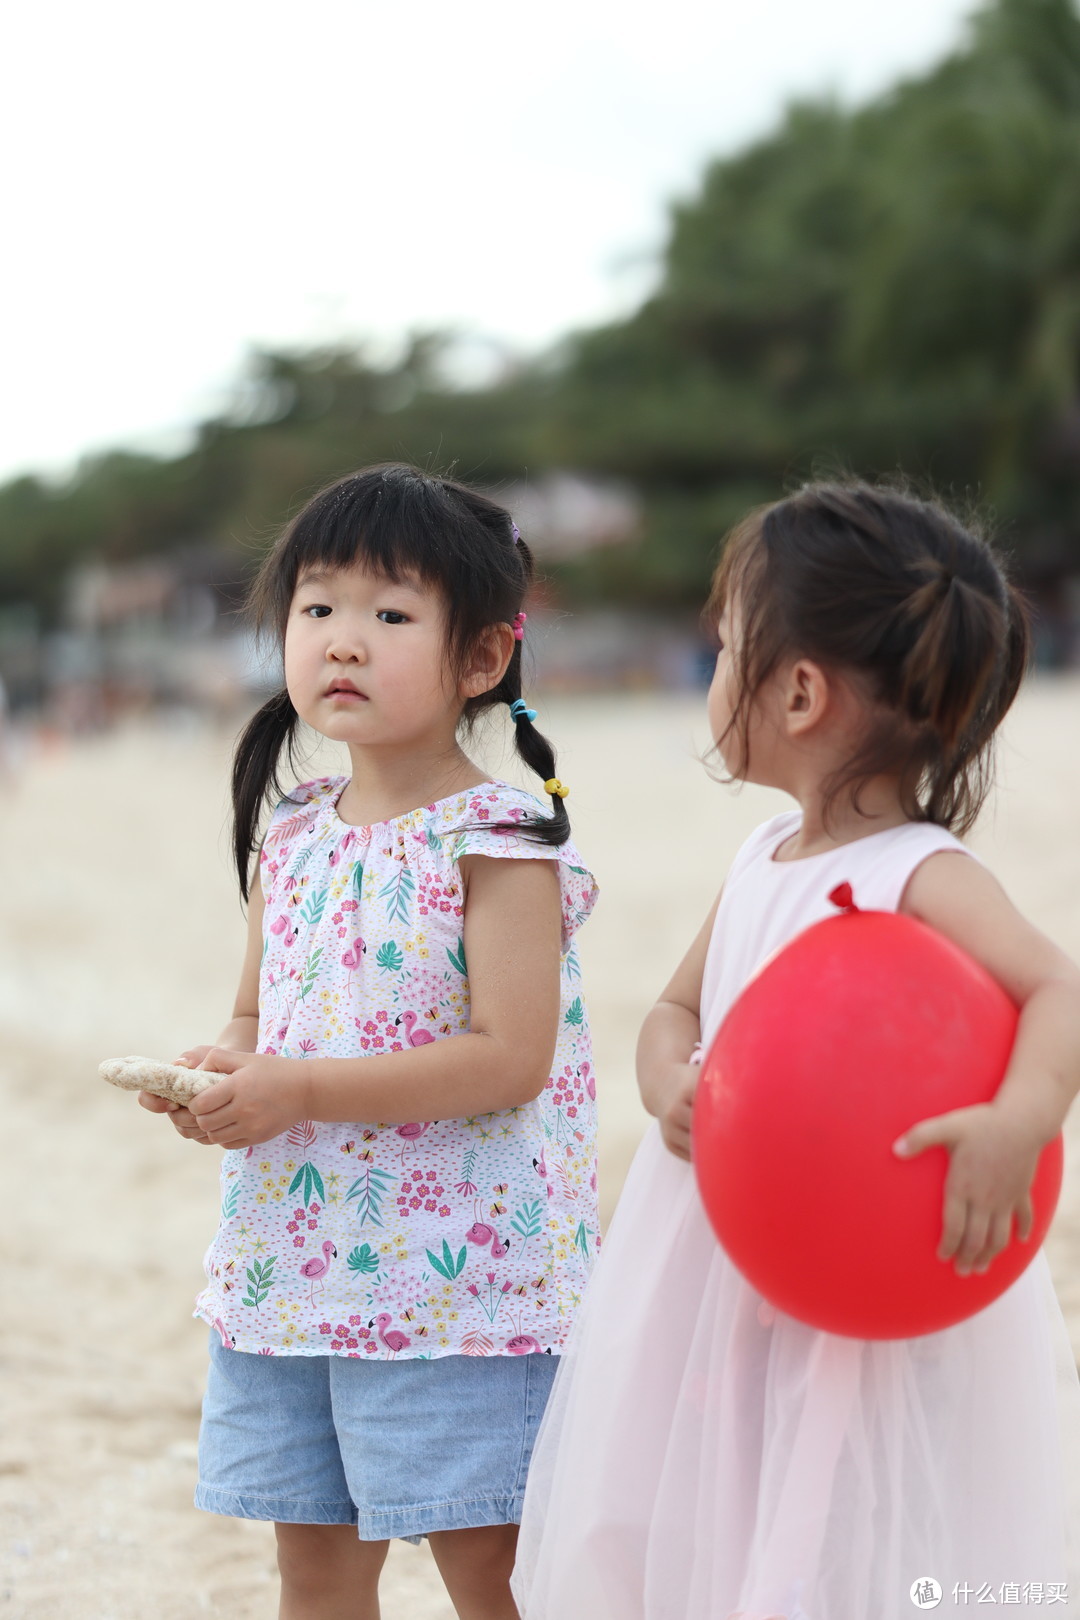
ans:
x=312 y=1181
x=575 y=1013
x=448 y=1266
x=313 y=907
x=229 y=1202
x=311 y=972
x=398 y=894
x=363 y=1260
x=433 y=840
x=260 y=1280
x=457 y=958
x=369 y=1189
x=358 y=880
x=571 y=963
x=526 y=1220
x=389 y=957
x=581 y=1238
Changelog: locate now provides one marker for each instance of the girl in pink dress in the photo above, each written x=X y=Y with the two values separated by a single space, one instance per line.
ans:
x=704 y=1457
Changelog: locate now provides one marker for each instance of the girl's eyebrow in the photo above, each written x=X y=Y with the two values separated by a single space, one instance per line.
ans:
x=326 y=576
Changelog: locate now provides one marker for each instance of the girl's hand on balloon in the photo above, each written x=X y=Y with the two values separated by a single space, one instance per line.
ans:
x=257 y=1098
x=676 y=1117
x=992 y=1160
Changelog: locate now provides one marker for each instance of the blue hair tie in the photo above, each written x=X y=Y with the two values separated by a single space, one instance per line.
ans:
x=519 y=711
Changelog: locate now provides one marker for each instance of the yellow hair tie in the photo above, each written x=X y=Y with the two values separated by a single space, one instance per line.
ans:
x=554 y=786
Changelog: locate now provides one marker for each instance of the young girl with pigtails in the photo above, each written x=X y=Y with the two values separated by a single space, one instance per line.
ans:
x=407 y=1096
x=705 y=1456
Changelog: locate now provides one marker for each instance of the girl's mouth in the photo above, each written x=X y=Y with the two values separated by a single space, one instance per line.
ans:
x=347 y=693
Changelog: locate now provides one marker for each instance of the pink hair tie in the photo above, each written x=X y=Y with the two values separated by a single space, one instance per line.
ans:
x=519 y=626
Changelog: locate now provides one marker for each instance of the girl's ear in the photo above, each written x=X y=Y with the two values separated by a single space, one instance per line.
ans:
x=807 y=695
x=488 y=661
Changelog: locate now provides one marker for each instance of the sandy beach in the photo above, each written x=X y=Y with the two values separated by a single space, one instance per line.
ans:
x=108 y=845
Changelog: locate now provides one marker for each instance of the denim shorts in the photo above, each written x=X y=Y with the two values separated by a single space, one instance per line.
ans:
x=398 y=1448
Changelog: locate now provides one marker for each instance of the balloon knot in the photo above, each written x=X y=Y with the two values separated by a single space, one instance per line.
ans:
x=842 y=897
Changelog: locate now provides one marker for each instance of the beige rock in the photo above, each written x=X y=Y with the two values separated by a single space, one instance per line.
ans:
x=170 y=1080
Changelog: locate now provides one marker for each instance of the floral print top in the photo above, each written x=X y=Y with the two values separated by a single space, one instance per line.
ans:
x=436 y=1237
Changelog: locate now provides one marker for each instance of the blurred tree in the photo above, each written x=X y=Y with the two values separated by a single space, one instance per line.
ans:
x=894 y=287
x=897 y=287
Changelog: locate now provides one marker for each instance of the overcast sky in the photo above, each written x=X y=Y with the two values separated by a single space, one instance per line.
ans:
x=184 y=182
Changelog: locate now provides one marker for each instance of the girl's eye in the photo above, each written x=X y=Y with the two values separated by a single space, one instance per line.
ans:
x=392 y=616
x=318 y=609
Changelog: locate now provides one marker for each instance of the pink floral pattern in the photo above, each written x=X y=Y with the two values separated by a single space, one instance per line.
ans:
x=435 y=1237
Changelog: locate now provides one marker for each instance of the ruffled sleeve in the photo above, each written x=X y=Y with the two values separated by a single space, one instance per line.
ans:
x=485 y=822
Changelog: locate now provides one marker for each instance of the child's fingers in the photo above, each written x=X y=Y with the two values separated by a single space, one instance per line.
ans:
x=1025 y=1219
x=937 y=1132
x=156 y=1105
x=976 y=1232
x=997 y=1239
x=954 y=1222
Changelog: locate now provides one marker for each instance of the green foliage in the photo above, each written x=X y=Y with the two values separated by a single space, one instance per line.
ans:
x=363 y=1261
x=457 y=958
x=260 y=1276
x=369 y=1189
x=450 y=1265
x=312 y=1182
x=389 y=956
x=527 y=1220
x=891 y=286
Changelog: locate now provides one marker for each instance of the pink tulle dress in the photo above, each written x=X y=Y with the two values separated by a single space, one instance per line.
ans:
x=705 y=1458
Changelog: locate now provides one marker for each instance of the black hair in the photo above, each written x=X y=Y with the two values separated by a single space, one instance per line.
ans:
x=404 y=524
x=898 y=590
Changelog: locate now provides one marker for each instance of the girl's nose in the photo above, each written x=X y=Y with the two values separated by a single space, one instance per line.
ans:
x=346 y=650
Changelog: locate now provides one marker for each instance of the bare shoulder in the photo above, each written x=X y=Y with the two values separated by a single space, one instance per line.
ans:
x=961 y=899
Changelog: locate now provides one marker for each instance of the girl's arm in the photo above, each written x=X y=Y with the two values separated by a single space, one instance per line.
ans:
x=994 y=1147
x=667 y=1078
x=512 y=932
x=240 y=1034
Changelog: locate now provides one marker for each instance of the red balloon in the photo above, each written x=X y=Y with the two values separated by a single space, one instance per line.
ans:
x=862 y=1026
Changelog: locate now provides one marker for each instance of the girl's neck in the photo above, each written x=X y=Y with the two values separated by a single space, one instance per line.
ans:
x=388 y=782
x=879 y=808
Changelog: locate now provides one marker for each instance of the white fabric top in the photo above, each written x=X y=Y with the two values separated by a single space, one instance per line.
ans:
x=766 y=902
x=435 y=1237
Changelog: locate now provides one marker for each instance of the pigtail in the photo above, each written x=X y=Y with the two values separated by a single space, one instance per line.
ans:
x=533 y=747
x=255 y=775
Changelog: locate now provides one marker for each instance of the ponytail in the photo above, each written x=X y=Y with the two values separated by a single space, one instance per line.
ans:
x=955 y=656
x=255 y=775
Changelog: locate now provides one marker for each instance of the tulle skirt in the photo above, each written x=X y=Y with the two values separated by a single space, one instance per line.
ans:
x=704 y=1458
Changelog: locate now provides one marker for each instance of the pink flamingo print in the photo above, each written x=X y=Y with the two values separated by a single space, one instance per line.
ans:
x=414 y=1036
x=315 y=1269
x=394 y=1341
x=283 y=926
x=228 y=1339
x=351 y=958
x=540 y=1166
x=411 y=1133
x=482 y=1234
x=523 y=1344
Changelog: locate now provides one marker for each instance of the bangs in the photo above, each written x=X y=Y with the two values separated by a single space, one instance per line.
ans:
x=406 y=527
